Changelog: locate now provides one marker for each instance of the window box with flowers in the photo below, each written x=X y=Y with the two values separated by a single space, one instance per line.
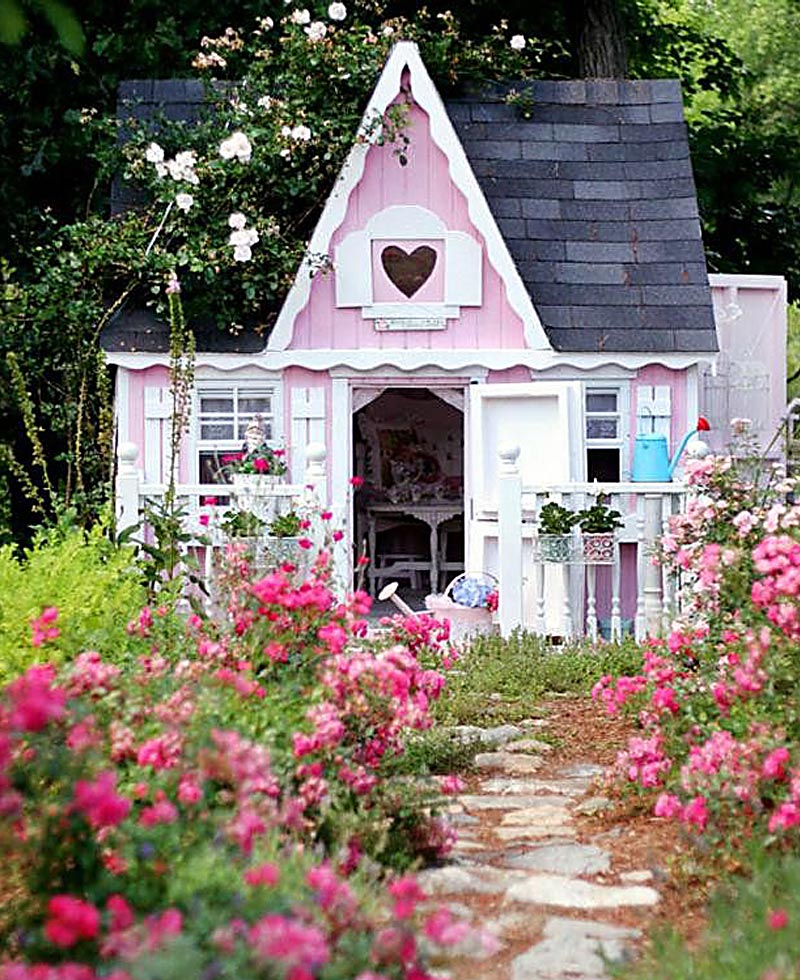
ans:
x=555 y=540
x=598 y=525
x=253 y=475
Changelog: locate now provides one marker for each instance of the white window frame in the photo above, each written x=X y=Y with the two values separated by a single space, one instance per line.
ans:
x=252 y=385
x=622 y=414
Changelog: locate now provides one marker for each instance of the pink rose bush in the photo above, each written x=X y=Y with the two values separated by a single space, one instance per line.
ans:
x=207 y=804
x=715 y=700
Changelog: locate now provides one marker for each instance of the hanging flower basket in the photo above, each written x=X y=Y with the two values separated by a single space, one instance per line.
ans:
x=254 y=494
x=557 y=548
x=598 y=548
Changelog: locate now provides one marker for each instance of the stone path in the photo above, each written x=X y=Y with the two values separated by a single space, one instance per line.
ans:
x=542 y=902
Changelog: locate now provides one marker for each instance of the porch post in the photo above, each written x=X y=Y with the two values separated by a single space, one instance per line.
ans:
x=509 y=507
x=315 y=475
x=126 y=504
x=653 y=603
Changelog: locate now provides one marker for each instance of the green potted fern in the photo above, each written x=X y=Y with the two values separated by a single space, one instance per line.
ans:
x=598 y=524
x=555 y=537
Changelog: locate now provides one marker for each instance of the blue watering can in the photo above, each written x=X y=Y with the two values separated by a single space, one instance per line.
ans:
x=651 y=462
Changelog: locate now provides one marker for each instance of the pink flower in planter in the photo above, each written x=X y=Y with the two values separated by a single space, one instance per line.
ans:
x=70 y=920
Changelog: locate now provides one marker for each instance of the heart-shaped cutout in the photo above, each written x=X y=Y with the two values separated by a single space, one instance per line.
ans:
x=408 y=272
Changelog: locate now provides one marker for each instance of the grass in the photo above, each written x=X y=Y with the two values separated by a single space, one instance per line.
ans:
x=744 y=941
x=505 y=679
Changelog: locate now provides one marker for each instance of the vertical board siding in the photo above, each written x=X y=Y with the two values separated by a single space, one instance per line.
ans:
x=425 y=181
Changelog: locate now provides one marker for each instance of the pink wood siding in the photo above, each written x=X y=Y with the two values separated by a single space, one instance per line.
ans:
x=424 y=181
x=152 y=377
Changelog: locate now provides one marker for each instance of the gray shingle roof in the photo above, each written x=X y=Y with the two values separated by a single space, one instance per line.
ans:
x=140 y=331
x=592 y=188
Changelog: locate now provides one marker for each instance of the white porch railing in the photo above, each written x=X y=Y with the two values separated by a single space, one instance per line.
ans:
x=561 y=599
x=133 y=495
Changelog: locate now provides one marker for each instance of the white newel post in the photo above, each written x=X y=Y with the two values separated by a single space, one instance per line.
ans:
x=127 y=486
x=653 y=604
x=509 y=506
x=316 y=476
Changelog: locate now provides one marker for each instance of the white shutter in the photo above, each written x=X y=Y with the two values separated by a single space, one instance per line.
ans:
x=308 y=425
x=157 y=424
x=654 y=409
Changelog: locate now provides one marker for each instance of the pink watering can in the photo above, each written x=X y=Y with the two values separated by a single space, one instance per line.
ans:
x=651 y=462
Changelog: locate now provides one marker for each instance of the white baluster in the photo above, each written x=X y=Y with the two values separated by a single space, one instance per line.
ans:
x=591 y=602
x=653 y=605
x=127 y=486
x=509 y=532
x=666 y=577
x=538 y=582
x=640 y=627
x=620 y=504
x=567 y=583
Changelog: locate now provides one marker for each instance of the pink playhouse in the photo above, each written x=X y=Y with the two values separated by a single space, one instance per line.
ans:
x=533 y=283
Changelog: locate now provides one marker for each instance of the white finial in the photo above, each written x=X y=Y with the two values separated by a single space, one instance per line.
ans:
x=509 y=454
x=127 y=453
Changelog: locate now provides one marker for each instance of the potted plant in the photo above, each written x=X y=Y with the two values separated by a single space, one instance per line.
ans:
x=283 y=541
x=555 y=532
x=253 y=474
x=597 y=524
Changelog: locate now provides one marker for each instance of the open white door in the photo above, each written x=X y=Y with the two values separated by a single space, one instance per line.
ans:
x=544 y=420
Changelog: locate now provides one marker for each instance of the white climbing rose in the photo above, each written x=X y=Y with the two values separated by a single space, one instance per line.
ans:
x=154 y=153
x=337 y=11
x=300 y=17
x=238 y=146
x=517 y=42
x=184 y=201
x=316 y=31
x=301 y=133
x=242 y=253
x=236 y=220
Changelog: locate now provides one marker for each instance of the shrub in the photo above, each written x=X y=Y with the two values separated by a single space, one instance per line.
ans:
x=91 y=582
x=206 y=805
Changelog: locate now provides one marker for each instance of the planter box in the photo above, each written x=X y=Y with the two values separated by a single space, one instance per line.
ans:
x=598 y=548
x=556 y=548
x=253 y=493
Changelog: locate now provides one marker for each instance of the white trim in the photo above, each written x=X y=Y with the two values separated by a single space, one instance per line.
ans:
x=122 y=402
x=405 y=56
x=410 y=311
x=728 y=279
x=340 y=454
x=692 y=395
x=464 y=360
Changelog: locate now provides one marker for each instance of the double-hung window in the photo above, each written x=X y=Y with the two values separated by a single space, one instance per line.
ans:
x=605 y=433
x=223 y=414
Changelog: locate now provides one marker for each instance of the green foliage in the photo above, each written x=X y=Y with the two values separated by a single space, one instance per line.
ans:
x=439 y=751
x=92 y=582
x=285 y=525
x=555 y=519
x=599 y=518
x=742 y=941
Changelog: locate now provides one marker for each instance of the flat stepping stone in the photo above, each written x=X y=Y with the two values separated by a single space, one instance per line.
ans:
x=573 y=948
x=642 y=877
x=508 y=762
x=573 y=893
x=508 y=802
x=565 y=859
x=534 y=831
x=453 y=880
x=547 y=812
x=595 y=804
x=496 y=736
x=584 y=770
x=558 y=787
x=528 y=745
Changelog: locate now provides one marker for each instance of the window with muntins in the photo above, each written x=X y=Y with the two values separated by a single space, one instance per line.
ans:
x=604 y=434
x=223 y=414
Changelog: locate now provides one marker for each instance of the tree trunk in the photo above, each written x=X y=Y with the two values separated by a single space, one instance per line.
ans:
x=598 y=38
